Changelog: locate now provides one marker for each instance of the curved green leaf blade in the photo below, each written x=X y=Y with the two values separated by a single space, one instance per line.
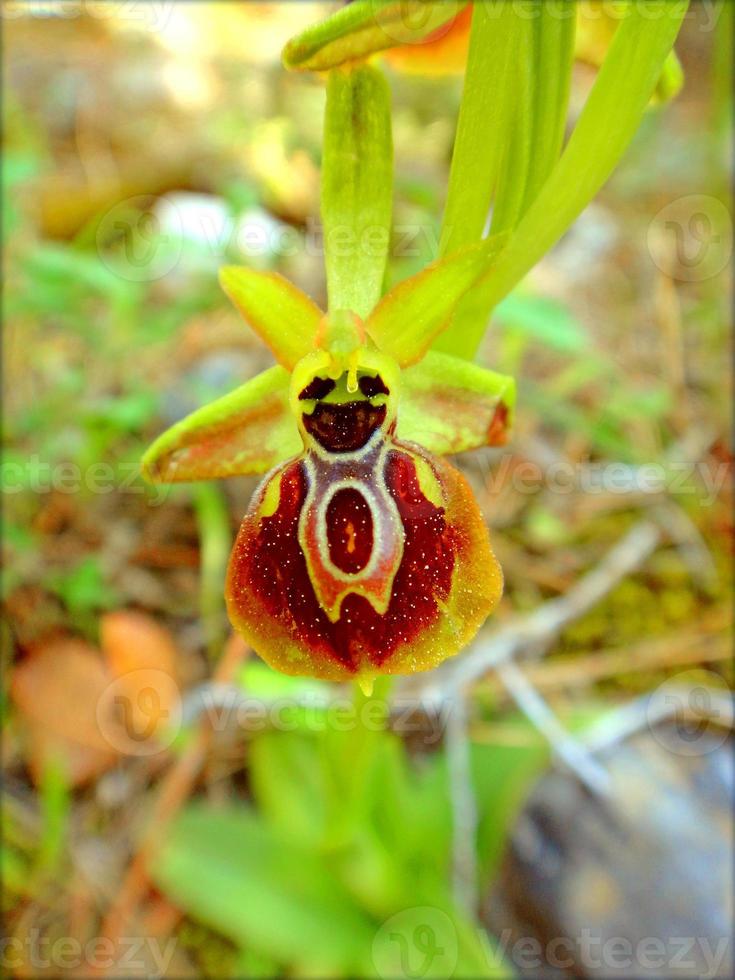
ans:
x=415 y=311
x=364 y=27
x=248 y=431
x=478 y=145
x=249 y=882
x=357 y=187
x=449 y=405
x=285 y=318
x=541 y=79
x=553 y=54
x=611 y=115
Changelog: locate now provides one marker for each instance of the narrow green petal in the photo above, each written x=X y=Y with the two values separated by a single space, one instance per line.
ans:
x=410 y=316
x=449 y=405
x=248 y=431
x=364 y=27
x=357 y=187
x=284 y=317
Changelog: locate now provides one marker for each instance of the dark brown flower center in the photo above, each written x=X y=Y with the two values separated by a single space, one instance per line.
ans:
x=346 y=427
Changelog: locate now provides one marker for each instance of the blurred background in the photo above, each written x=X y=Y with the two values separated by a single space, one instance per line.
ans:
x=170 y=803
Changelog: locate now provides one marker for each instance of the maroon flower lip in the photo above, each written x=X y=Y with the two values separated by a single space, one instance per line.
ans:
x=444 y=584
x=269 y=567
x=346 y=427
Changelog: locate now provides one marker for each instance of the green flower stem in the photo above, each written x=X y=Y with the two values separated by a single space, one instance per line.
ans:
x=348 y=758
x=357 y=187
x=213 y=522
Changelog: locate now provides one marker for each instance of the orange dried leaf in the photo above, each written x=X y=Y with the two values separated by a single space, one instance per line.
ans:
x=133 y=640
x=142 y=657
x=58 y=691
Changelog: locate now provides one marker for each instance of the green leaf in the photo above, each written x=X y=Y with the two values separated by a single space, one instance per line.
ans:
x=502 y=775
x=412 y=813
x=518 y=137
x=248 y=431
x=55 y=799
x=242 y=878
x=414 y=312
x=595 y=29
x=288 y=783
x=215 y=543
x=605 y=127
x=83 y=588
x=450 y=405
x=531 y=110
x=284 y=317
x=364 y=27
x=357 y=187
x=482 y=122
x=545 y=320
x=553 y=56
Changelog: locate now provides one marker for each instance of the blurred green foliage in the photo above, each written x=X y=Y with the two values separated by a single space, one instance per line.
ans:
x=305 y=880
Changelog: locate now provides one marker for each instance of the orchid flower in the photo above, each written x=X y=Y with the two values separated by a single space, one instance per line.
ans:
x=363 y=550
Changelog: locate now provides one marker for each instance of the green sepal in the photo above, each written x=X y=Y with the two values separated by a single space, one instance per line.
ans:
x=365 y=27
x=357 y=187
x=247 y=431
x=283 y=316
x=450 y=405
x=408 y=318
